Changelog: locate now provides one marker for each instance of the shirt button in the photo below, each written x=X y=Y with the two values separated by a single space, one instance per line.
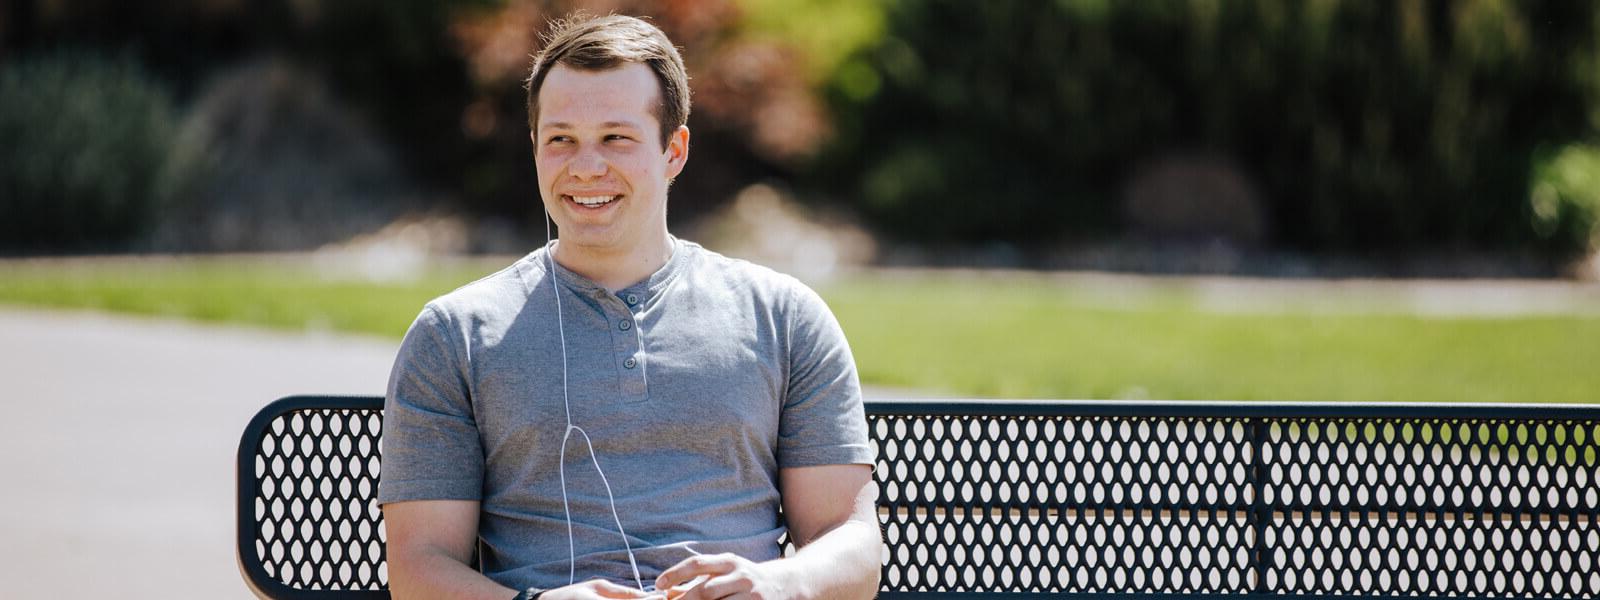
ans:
x=632 y=299
x=630 y=363
x=625 y=324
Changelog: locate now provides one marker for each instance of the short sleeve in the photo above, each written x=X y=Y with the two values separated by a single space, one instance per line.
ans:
x=823 y=422
x=431 y=447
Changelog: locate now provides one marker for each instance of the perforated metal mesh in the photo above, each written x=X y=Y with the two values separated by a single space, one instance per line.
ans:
x=1065 y=504
x=1452 y=507
x=1240 y=505
x=1085 y=498
x=316 y=512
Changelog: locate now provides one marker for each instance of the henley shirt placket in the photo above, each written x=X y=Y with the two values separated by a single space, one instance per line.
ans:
x=627 y=343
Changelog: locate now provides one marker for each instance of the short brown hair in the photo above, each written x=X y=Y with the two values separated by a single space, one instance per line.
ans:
x=600 y=43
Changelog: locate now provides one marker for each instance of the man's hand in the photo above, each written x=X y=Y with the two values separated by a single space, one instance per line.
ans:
x=832 y=515
x=711 y=576
x=594 y=588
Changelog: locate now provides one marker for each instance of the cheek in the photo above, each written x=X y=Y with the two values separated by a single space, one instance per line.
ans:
x=546 y=167
x=640 y=166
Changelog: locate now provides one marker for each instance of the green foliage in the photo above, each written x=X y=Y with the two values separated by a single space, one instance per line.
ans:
x=85 y=141
x=1565 y=197
x=827 y=32
x=1366 y=125
x=985 y=336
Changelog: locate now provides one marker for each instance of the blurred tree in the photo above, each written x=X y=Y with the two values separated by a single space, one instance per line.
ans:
x=85 y=138
x=1325 y=125
x=1368 y=127
x=440 y=82
x=267 y=159
x=1565 y=197
x=390 y=61
x=396 y=62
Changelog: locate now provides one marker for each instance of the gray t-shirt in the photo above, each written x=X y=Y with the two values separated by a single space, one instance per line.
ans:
x=694 y=386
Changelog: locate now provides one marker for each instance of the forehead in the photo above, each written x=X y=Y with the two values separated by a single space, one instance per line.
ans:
x=628 y=93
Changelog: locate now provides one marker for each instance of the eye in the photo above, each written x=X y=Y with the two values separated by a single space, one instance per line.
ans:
x=559 y=139
x=617 y=137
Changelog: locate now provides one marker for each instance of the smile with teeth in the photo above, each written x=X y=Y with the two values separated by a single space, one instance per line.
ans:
x=593 y=200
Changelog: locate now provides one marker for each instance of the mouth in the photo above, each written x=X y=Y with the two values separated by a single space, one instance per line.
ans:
x=592 y=201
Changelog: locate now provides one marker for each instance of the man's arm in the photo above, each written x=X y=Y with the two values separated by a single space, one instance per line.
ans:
x=832 y=512
x=833 y=519
x=430 y=548
x=430 y=545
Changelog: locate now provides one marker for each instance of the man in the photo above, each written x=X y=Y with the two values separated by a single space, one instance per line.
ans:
x=621 y=411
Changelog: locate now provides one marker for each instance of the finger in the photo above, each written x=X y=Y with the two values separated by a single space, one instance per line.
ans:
x=682 y=590
x=695 y=566
x=726 y=586
x=608 y=589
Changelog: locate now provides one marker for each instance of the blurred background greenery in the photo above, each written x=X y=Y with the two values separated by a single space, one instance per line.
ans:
x=1323 y=138
x=1326 y=127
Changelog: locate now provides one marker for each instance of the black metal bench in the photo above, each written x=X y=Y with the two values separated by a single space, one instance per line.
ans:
x=1085 y=499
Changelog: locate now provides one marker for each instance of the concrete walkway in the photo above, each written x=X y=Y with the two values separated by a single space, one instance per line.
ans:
x=118 y=439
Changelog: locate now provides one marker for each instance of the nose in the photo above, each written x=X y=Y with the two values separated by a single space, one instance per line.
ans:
x=588 y=164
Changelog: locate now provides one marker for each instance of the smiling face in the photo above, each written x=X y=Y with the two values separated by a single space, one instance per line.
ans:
x=603 y=173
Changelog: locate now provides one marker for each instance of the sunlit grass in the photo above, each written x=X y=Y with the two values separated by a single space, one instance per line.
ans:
x=278 y=293
x=1014 y=337
x=1018 y=338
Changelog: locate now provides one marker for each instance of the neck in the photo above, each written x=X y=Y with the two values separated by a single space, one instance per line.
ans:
x=615 y=269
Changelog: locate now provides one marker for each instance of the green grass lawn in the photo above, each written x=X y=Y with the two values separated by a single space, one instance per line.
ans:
x=1002 y=337
x=1045 y=339
x=283 y=294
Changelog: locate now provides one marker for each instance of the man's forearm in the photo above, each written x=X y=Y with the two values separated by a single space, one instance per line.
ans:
x=426 y=574
x=842 y=563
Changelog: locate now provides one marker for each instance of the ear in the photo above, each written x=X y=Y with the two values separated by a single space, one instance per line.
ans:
x=677 y=151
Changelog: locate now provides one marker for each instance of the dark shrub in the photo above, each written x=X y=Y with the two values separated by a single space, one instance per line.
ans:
x=85 y=138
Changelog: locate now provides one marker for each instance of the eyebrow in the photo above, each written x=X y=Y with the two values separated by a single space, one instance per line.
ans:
x=605 y=125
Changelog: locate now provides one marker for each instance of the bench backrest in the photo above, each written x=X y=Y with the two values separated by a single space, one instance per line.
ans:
x=1085 y=499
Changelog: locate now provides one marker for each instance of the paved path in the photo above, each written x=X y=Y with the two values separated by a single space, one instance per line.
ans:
x=117 y=445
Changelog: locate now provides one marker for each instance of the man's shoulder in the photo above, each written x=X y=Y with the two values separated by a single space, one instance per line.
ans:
x=756 y=287
x=501 y=292
x=742 y=274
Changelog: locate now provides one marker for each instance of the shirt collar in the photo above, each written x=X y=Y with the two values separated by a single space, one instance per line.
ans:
x=645 y=289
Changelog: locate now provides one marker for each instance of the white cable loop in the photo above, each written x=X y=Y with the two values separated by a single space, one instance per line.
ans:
x=561 y=469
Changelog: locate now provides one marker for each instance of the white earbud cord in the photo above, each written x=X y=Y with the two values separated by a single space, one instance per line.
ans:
x=566 y=507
